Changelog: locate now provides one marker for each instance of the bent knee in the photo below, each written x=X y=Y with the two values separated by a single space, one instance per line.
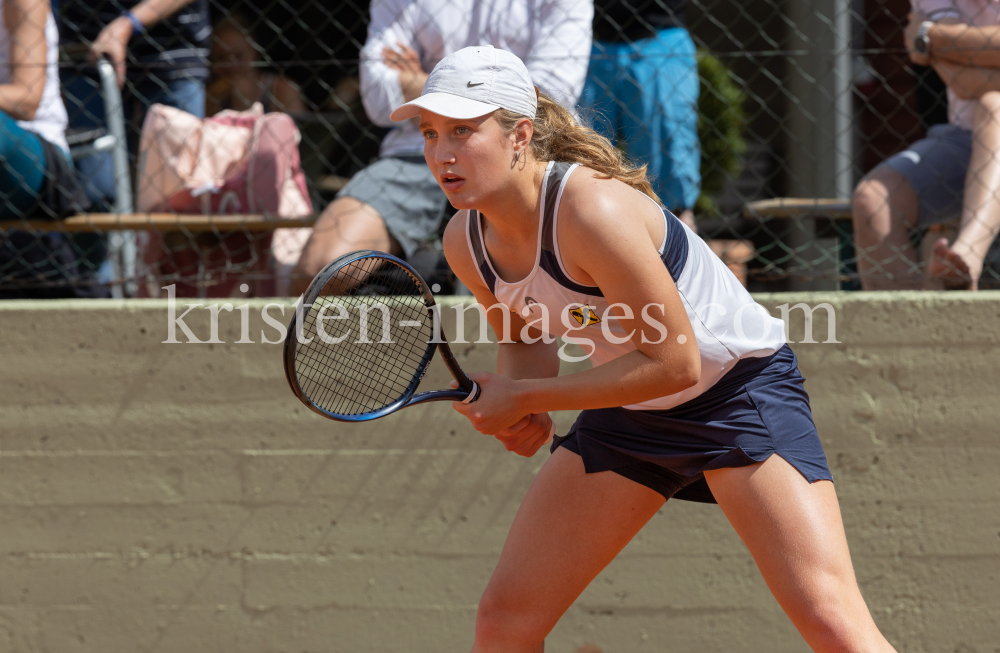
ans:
x=835 y=617
x=884 y=191
x=870 y=197
x=312 y=259
x=990 y=101
x=504 y=624
x=880 y=186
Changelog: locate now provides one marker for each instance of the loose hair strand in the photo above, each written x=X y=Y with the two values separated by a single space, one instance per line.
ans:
x=559 y=137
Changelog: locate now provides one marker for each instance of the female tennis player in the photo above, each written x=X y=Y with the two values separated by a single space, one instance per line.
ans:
x=693 y=392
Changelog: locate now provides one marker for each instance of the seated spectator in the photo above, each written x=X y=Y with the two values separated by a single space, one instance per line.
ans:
x=31 y=112
x=953 y=173
x=395 y=204
x=37 y=179
x=158 y=46
x=237 y=82
x=643 y=88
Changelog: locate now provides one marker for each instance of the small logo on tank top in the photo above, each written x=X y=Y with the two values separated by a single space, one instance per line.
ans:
x=528 y=301
x=585 y=315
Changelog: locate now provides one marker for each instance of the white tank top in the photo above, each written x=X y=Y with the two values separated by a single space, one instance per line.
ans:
x=727 y=322
x=50 y=118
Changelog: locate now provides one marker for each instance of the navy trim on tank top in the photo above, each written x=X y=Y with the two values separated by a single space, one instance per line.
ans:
x=675 y=251
x=551 y=267
x=674 y=256
x=480 y=252
x=555 y=180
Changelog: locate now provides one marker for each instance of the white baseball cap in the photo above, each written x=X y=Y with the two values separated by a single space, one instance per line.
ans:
x=473 y=82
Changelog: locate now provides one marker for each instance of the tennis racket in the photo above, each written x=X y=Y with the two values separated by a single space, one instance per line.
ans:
x=360 y=341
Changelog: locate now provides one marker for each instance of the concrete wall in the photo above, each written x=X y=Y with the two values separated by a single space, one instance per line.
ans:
x=176 y=497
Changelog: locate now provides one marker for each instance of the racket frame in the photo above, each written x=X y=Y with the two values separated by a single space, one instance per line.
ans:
x=468 y=390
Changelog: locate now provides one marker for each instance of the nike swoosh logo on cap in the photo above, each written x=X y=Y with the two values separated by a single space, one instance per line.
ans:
x=470 y=84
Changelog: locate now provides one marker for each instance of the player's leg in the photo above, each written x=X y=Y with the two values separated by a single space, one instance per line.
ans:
x=346 y=225
x=794 y=531
x=569 y=527
x=886 y=207
x=962 y=262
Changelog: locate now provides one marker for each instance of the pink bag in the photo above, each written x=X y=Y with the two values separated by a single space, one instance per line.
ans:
x=234 y=162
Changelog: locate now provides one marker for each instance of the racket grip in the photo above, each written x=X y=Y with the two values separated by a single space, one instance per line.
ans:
x=473 y=394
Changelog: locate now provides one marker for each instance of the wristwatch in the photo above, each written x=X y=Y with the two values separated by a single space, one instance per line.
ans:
x=922 y=42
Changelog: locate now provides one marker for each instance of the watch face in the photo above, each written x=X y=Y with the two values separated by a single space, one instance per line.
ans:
x=921 y=43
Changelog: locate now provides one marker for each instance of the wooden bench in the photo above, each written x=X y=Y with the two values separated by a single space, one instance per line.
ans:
x=829 y=217
x=799 y=207
x=105 y=222
x=181 y=226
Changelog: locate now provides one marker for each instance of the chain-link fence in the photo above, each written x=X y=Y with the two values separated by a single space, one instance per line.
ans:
x=207 y=137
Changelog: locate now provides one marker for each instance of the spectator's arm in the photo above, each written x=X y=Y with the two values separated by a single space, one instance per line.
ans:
x=406 y=62
x=916 y=19
x=390 y=27
x=25 y=21
x=113 y=39
x=559 y=57
x=968 y=82
x=150 y=12
x=963 y=44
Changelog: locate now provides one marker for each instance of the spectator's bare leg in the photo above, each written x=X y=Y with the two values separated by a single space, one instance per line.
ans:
x=345 y=226
x=961 y=264
x=885 y=209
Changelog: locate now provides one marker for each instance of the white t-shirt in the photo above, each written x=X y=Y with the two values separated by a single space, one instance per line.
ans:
x=981 y=13
x=50 y=118
x=552 y=37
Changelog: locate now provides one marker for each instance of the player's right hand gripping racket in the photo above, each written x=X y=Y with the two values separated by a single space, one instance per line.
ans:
x=365 y=340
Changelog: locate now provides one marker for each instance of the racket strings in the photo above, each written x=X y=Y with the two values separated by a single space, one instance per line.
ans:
x=369 y=329
x=362 y=381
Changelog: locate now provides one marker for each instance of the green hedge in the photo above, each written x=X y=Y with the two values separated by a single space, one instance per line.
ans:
x=721 y=123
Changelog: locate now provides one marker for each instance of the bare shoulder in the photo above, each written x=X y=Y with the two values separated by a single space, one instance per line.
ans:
x=588 y=196
x=595 y=207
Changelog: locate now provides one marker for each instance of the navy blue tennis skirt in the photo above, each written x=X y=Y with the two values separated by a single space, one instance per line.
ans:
x=757 y=409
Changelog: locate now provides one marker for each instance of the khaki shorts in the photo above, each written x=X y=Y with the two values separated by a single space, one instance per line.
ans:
x=407 y=196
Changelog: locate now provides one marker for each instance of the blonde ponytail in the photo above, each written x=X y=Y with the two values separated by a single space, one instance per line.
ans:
x=559 y=137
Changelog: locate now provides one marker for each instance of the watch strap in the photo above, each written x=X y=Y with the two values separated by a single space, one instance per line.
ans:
x=922 y=42
x=137 y=25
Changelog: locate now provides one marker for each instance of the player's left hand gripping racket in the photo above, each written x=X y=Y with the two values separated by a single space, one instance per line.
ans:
x=366 y=338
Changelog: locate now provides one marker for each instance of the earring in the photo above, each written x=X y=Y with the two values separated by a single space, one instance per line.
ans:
x=517 y=155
